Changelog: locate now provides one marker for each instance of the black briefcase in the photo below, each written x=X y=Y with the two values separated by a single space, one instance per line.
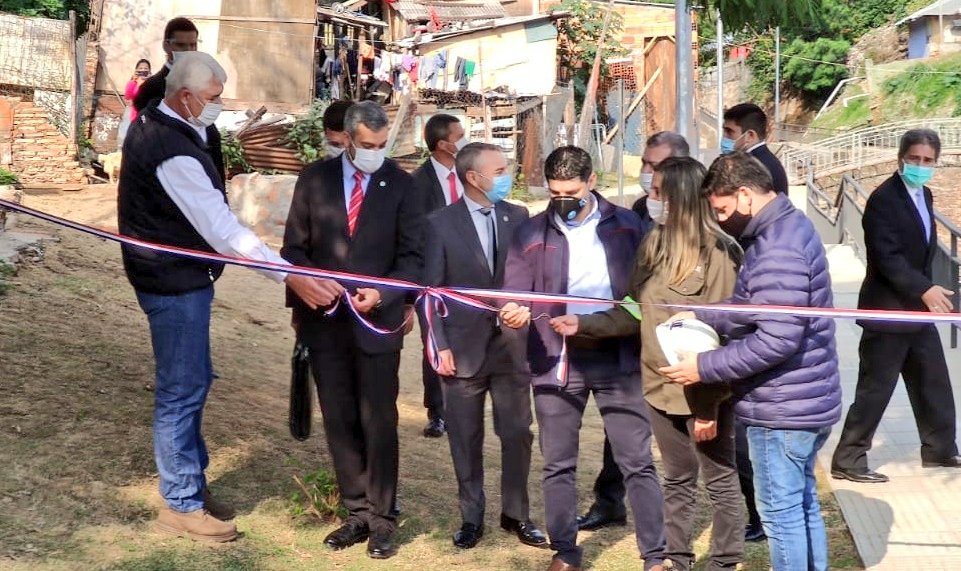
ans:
x=300 y=397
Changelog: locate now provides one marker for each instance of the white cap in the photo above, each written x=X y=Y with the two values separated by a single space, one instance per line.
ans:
x=686 y=336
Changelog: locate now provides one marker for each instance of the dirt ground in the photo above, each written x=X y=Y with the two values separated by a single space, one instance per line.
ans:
x=78 y=486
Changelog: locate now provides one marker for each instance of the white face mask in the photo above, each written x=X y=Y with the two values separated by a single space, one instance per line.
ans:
x=368 y=160
x=208 y=115
x=657 y=210
x=461 y=143
x=647 y=179
x=333 y=151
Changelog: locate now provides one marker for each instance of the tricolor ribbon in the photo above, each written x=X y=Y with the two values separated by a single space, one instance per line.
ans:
x=433 y=298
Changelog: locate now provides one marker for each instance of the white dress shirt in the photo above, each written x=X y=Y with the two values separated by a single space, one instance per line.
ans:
x=442 y=174
x=587 y=273
x=349 y=170
x=188 y=185
x=754 y=146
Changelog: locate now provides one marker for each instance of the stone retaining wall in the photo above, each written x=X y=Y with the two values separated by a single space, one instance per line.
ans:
x=262 y=202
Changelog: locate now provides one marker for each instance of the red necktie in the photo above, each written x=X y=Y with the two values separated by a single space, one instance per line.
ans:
x=356 y=199
x=452 y=180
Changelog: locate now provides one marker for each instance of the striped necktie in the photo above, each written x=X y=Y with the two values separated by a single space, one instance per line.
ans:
x=356 y=199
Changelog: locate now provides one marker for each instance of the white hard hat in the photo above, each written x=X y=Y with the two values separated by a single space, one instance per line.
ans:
x=686 y=336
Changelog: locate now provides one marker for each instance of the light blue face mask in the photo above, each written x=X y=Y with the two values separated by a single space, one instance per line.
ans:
x=915 y=175
x=500 y=190
x=727 y=145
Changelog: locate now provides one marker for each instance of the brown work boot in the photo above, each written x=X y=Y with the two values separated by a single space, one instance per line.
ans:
x=218 y=509
x=198 y=525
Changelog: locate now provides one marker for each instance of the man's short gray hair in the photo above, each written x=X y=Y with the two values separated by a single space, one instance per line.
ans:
x=194 y=71
x=366 y=113
x=678 y=144
x=920 y=137
x=468 y=158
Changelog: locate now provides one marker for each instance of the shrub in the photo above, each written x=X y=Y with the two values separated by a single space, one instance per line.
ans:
x=306 y=134
x=233 y=152
x=7 y=177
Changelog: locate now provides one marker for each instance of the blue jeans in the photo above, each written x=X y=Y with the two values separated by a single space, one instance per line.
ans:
x=787 y=496
x=180 y=332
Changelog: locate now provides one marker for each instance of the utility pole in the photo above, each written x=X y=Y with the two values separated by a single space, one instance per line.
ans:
x=777 y=82
x=684 y=73
x=622 y=117
x=720 y=79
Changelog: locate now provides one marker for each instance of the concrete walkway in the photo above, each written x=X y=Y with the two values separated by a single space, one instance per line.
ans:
x=913 y=521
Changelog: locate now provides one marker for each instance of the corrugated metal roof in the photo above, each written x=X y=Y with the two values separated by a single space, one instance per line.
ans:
x=413 y=11
x=941 y=7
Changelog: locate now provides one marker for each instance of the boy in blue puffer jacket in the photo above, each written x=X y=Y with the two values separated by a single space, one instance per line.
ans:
x=783 y=369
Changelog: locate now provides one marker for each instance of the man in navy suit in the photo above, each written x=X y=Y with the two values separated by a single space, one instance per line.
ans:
x=466 y=246
x=900 y=238
x=745 y=129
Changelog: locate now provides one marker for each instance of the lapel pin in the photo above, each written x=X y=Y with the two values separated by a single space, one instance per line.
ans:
x=505 y=218
x=383 y=184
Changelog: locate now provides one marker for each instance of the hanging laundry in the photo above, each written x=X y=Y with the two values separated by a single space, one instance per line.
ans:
x=459 y=76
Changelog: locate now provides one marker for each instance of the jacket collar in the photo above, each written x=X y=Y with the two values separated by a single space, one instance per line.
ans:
x=153 y=112
x=604 y=207
x=775 y=210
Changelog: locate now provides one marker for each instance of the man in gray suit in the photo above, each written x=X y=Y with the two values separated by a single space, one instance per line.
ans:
x=466 y=246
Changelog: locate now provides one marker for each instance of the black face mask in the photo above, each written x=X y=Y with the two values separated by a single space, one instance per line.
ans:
x=568 y=207
x=143 y=73
x=735 y=224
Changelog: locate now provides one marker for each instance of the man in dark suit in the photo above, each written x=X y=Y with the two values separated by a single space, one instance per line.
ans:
x=438 y=184
x=900 y=238
x=745 y=129
x=466 y=246
x=357 y=213
x=180 y=35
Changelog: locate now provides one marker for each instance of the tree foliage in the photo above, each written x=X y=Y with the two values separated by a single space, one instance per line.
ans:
x=53 y=9
x=814 y=68
x=580 y=36
x=762 y=14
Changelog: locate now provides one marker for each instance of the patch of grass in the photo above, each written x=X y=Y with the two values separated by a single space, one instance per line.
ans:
x=317 y=496
x=7 y=271
x=856 y=114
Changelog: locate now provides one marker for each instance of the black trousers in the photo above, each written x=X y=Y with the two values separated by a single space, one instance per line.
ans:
x=682 y=460
x=559 y=410
x=745 y=473
x=919 y=359
x=358 y=399
x=464 y=400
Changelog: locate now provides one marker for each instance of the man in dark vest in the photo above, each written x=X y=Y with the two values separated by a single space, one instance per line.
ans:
x=172 y=193
x=180 y=36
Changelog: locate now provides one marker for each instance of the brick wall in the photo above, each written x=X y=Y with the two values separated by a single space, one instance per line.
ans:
x=40 y=153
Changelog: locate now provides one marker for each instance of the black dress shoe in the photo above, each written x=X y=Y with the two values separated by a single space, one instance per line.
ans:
x=526 y=531
x=598 y=518
x=381 y=545
x=754 y=532
x=395 y=510
x=949 y=462
x=350 y=533
x=436 y=427
x=859 y=476
x=468 y=535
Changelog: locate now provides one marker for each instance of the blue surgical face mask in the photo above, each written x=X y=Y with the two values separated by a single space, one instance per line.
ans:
x=500 y=189
x=915 y=175
x=727 y=145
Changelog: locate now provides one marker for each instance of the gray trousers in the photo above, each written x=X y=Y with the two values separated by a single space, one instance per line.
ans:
x=620 y=399
x=464 y=413
x=682 y=459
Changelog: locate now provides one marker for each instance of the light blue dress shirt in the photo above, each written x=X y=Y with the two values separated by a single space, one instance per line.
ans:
x=917 y=197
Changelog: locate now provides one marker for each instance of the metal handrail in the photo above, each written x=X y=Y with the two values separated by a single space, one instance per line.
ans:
x=838 y=221
x=853 y=149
